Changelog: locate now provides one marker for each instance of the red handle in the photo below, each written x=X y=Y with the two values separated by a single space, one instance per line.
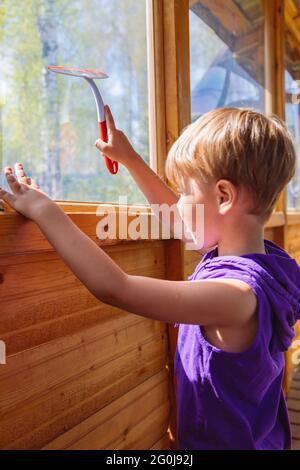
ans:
x=111 y=165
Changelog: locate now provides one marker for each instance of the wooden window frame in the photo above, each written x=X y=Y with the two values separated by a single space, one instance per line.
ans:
x=156 y=121
x=156 y=98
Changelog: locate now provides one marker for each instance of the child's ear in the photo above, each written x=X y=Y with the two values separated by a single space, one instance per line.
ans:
x=226 y=194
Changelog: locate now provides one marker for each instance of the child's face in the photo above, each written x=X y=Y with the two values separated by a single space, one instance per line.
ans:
x=206 y=195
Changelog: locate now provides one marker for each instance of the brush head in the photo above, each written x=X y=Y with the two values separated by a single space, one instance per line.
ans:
x=77 y=72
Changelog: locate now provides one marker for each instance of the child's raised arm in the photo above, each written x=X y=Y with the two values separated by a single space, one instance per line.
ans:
x=156 y=191
x=208 y=302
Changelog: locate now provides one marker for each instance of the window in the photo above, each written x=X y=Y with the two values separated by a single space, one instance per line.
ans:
x=226 y=55
x=48 y=121
x=292 y=89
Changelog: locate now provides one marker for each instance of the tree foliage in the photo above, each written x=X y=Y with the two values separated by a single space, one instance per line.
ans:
x=49 y=122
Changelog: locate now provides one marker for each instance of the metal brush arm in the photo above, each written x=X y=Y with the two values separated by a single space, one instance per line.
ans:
x=98 y=99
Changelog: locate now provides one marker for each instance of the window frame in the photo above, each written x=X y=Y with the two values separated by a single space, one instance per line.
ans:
x=156 y=120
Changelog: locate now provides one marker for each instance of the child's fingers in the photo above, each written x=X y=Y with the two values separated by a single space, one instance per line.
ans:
x=20 y=174
x=8 y=170
x=12 y=182
x=101 y=145
x=109 y=118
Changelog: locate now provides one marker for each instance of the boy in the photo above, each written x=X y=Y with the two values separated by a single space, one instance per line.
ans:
x=237 y=315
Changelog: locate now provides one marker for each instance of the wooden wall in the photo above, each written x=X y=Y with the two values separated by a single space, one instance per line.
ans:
x=293 y=248
x=80 y=374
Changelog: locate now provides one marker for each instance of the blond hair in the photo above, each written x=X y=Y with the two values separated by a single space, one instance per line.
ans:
x=246 y=147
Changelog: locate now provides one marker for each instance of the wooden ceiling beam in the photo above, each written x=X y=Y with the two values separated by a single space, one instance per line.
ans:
x=292 y=20
x=205 y=14
x=247 y=41
x=292 y=48
x=291 y=24
x=291 y=8
x=220 y=17
x=226 y=18
x=228 y=13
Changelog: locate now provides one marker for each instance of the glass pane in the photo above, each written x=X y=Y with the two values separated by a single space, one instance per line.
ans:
x=227 y=55
x=49 y=121
x=292 y=108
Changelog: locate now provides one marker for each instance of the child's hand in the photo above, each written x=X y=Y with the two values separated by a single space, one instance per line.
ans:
x=118 y=146
x=26 y=197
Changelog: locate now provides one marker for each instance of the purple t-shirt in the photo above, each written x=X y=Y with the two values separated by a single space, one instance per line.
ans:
x=235 y=400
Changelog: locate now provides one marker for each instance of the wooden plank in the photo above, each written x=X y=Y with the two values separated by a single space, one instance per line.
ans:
x=177 y=68
x=241 y=35
x=41 y=298
x=162 y=444
x=178 y=116
x=79 y=207
x=156 y=86
x=293 y=405
x=43 y=332
x=27 y=274
x=292 y=55
x=174 y=264
x=135 y=439
x=270 y=72
x=39 y=436
x=228 y=13
x=295 y=385
x=294 y=416
x=279 y=91
x=247 y=41
x=292 y=58
x=71 y=395
x=293 y=218
x=291 y=14
x=295 y=444
x=213 y=22
x=274 y=66
x=83 y=207
x=295 y=428
x=20 y=235
x=291 y=9
x=116 y=419
x=293 y=241
x=294 y=393
x=91 y=346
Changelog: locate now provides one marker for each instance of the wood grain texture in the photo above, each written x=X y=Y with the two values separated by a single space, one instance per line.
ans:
x=41 y=299
x=70 y=356
x=21 y=235
x=126 y=423
x=293 y=401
